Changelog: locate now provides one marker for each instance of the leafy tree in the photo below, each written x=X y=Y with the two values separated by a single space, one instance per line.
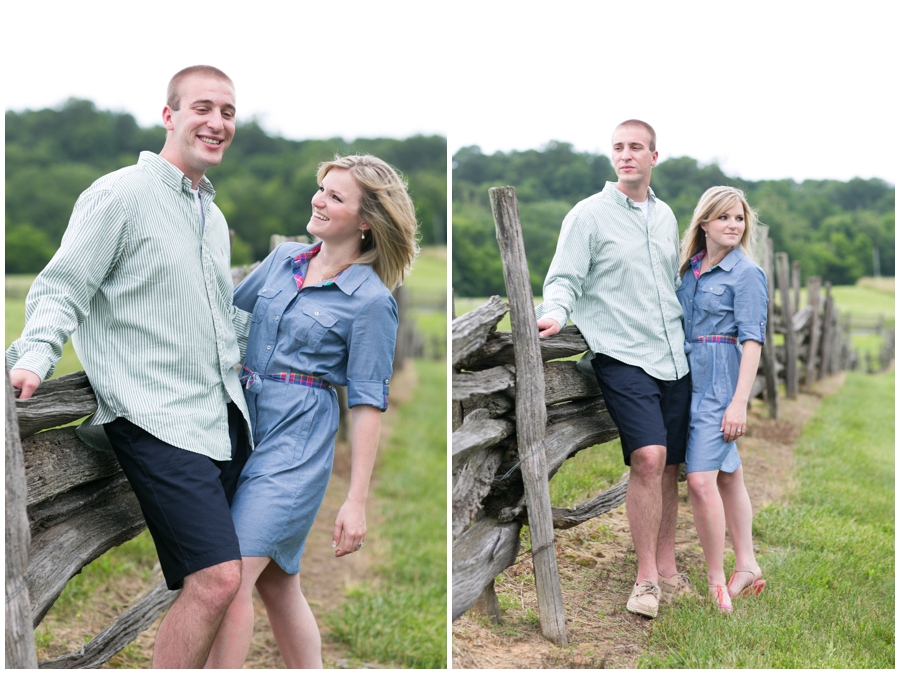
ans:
x=264 y=187
x=835 y=229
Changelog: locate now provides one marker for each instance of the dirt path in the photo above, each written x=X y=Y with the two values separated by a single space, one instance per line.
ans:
x=597 y=564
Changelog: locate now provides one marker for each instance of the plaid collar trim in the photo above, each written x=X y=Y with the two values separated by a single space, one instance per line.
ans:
x=300 y=264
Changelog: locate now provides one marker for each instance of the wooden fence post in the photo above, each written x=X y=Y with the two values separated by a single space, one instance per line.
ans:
x=21 y=652
x=813 y=289
x=827 y=332
x=787 y=315
x=795 y=284
x=769 y=362
x=531 y=412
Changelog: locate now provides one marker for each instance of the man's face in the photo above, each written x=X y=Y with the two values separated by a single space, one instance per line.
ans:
x=631 y=155
x=203 y=126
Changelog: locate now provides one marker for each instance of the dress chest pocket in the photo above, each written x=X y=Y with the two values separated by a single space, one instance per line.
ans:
x=709 y=296
x=315 y=322
x=263 y=299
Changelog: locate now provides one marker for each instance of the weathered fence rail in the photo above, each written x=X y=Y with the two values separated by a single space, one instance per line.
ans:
x=76 y=505
x=489 y=495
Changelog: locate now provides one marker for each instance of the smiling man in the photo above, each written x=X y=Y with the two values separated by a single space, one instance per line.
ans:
x=143 y=274
x=614 y=275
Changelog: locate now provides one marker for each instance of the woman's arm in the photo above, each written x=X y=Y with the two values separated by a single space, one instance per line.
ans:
x=735 y=417
x=350 y=524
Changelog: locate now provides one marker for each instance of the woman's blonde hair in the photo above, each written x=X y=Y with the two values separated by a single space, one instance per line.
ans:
x=390 y=245
x=714 y=202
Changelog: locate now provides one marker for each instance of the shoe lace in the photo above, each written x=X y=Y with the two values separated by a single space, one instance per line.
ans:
x=647 y=587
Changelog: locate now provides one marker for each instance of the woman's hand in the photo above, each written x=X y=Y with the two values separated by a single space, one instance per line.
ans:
x=734 y=422
x=349 y=528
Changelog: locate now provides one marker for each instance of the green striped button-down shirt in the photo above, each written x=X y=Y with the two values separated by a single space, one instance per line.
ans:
x=614 y=274
x=149 y=290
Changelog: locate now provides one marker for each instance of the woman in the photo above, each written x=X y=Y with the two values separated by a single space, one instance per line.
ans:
x=322 y=315
x=724 y=296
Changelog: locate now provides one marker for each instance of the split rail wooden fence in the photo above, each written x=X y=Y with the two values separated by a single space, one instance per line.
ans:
x=496 y=467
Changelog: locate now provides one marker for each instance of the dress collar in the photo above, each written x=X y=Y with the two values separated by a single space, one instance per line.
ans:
x=348 y=280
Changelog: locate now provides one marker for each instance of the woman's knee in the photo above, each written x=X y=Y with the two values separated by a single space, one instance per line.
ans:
x=274 y=584
x=701 y=485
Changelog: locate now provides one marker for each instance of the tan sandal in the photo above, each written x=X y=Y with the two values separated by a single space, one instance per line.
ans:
x=754 y=587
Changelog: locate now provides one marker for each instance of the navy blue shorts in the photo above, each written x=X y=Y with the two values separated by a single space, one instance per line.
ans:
x=646 y=410
x=185 y=496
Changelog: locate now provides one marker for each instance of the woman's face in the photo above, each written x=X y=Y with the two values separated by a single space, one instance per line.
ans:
x=727 y=230
x=335 y=208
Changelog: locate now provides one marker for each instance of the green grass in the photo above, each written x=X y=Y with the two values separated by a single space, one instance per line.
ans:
x=404 y=621
x=585 y=475
x=429 y=274
x=427 y=287
x=828 y=556
x=864 y=300
x=17 y=286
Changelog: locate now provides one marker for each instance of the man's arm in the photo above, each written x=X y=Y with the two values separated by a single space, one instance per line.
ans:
x=566 y=276
x=59 y=299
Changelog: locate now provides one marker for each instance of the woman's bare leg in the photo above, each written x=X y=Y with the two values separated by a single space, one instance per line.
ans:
x=232 y=642
x=739 y=517
x=293 y=623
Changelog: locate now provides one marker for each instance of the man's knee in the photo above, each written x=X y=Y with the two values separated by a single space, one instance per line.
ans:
x=649 y=461
x=215 y=586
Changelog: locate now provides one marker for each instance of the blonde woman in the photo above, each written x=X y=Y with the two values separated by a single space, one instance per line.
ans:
x=724 y=297
x=322 y=315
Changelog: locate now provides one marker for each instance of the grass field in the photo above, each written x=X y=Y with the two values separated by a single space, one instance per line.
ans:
x=404 y=621
x=828 y=555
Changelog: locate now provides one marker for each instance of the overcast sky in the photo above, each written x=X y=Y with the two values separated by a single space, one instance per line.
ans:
x=769 y=90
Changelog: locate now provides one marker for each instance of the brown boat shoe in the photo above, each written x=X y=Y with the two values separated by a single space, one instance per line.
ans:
x=679 y=584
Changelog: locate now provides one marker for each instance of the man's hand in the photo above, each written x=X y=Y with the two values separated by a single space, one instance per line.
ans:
x=25 y=380
x=548 y=327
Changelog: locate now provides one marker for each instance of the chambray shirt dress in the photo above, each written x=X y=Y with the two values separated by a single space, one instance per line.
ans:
x=343 y=333
x=722 y=308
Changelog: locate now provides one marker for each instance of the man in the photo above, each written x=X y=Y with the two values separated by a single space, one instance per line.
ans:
x=614 y=274
x=143 y=274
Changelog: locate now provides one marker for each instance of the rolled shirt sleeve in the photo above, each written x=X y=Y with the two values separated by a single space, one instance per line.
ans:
x=751 y=298
x=371 y=343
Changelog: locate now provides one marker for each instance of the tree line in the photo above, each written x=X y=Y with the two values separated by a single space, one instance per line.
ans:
x=263 y=186
x=838 y=230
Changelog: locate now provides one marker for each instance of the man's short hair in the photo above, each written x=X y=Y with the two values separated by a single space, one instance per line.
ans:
x=172 y=93
x=646 y=127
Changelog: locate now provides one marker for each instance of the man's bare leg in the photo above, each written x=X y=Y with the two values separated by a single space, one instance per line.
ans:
x=665 y=546
x=643 y=503
x=187 y=632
